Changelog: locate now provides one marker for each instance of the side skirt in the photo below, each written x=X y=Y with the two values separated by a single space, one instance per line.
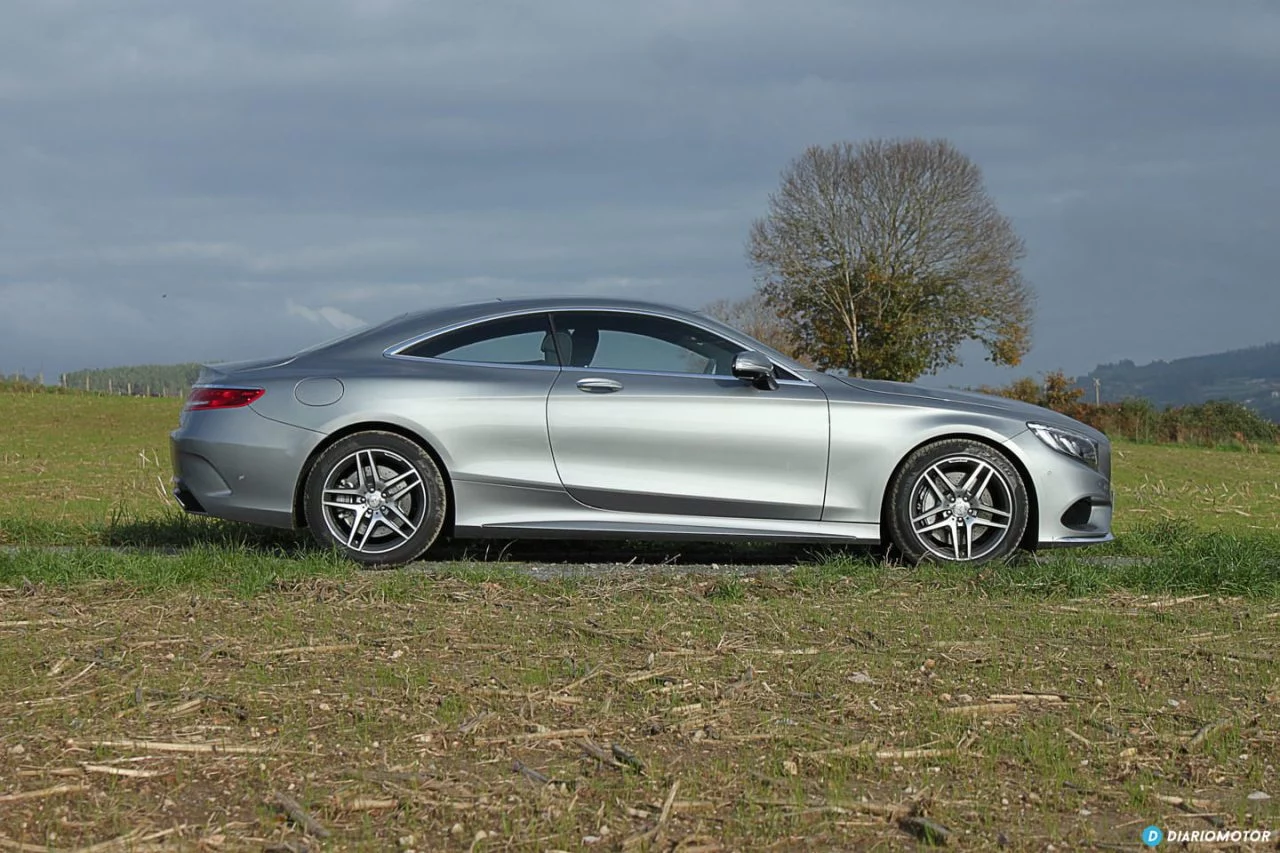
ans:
x=493 y=510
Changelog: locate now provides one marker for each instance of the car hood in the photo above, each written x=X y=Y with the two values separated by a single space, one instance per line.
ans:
x=908 y=394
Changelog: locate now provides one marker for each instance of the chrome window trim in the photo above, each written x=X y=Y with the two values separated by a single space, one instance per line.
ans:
x=396 y=350
x=421 y=359
x=721 y=376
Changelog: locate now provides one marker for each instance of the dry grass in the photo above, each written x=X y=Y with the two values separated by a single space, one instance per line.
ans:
x=73 y=462
x=637 y=712
x=1232 y=491
x=225 y=699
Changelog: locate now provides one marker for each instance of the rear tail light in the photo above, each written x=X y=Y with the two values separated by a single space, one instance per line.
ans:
x=222 y=398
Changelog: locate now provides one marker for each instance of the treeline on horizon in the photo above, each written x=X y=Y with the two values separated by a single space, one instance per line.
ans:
x=142 y=380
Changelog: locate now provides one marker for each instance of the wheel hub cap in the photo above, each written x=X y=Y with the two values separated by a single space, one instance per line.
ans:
x=961 y=508
x=374 y=501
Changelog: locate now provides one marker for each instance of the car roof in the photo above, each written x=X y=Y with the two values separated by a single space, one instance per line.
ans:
x=403 y=327
x=377 y=339
x=494 y=307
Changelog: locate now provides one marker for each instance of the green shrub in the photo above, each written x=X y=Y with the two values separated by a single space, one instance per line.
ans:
x=1217 y=423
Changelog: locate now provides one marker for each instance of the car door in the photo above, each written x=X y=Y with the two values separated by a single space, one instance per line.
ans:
x=646 y=417
x=480 y=394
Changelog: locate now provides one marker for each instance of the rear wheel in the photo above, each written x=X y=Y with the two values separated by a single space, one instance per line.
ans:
x=377 y=497
x=957 y=501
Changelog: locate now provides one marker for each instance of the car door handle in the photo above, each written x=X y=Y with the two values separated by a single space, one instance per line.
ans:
x=596 y=385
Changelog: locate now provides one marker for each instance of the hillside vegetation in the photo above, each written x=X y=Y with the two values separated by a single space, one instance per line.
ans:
x=1249 y=376
x=1217 y=423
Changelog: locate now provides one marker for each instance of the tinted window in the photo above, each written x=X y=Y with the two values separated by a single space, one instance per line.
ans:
x=512 y=340
x=611 y=341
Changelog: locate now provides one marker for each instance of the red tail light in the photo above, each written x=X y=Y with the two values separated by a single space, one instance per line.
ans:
x=222 y=398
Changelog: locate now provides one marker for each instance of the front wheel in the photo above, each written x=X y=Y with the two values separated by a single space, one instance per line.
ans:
x=377 y=497
x=957 y=501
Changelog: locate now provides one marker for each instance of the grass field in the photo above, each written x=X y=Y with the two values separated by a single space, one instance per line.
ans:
x=71 y=465
x=193 y=689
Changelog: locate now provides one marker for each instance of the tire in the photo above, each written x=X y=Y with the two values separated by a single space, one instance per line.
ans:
x=396 y=493
x=957 y=501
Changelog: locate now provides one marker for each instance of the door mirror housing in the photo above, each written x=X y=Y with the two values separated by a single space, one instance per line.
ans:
x=751 y=366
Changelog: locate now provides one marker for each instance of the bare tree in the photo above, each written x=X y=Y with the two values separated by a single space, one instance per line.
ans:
x=882 y=258
x=754 y=316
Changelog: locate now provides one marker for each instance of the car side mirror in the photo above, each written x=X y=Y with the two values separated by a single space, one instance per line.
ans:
x=751 y=366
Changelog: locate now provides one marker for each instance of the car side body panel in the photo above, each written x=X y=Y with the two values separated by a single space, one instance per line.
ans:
x=875 y=425
x=870 y=440
x=486 y=422
x=689 y=444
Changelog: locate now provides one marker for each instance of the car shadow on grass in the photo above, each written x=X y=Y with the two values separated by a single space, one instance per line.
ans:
x=178 y=532
x=626 y=552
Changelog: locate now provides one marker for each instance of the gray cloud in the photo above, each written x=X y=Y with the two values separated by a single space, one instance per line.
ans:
x=196 y=181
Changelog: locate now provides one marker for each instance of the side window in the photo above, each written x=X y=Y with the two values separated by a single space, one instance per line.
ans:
x=618 y=341
x=525 y=339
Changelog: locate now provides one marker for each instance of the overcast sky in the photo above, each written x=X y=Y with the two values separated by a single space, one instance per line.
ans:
x=185 y=181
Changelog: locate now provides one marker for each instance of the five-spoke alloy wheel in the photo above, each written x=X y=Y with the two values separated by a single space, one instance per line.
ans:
x=957 y=500
x=376 y=496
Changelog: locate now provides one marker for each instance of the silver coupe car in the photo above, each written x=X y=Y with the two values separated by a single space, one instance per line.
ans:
x=595 y=418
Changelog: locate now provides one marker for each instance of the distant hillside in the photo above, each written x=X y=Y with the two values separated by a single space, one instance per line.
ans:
x=144 y=380
x=1248 y=376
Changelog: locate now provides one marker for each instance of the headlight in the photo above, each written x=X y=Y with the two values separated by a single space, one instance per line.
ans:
x=1071 y=443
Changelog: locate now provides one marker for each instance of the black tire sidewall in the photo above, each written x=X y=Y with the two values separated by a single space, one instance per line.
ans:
x=907 y=542
x=437 y=496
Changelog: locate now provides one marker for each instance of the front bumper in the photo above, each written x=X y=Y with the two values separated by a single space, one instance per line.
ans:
x=238 y=465
x=1073 y=502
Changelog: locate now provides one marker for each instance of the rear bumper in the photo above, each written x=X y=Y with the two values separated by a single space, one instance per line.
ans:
x=185 y=497
x=239 y=465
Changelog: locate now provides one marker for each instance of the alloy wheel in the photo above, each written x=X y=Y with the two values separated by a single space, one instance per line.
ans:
x=961 y=508
x=374 y=501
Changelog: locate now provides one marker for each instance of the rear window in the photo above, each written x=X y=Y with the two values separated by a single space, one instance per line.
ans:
x=522 y=340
